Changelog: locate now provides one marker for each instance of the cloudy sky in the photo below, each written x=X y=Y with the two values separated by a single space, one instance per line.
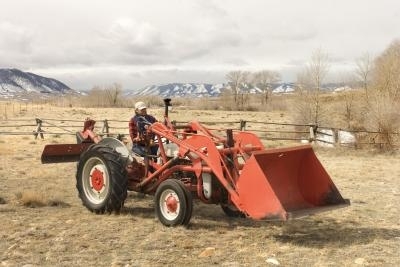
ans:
x=85 y=43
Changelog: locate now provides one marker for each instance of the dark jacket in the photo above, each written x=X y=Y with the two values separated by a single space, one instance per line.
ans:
x=137 y=126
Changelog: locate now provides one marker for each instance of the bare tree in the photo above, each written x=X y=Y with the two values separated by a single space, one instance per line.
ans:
x=383 y=105
x=235 y=80
x=108 y=96
x=95 y=97
x=113 y=93
x=363 y=70
x=387 y=71
x=264 y=79
x=350 y=98
x=310 y=84
x=349 y=101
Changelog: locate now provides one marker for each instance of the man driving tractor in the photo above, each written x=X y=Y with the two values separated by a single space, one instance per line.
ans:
x=142 y=142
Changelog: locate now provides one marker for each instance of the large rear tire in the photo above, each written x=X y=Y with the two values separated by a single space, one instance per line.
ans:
x=174 y=203
x=101 y=179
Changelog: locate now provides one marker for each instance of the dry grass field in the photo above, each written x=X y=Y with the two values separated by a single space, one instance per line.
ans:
x=43 y=222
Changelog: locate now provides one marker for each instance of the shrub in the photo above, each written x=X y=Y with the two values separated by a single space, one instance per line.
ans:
x=35 y=199
x=31 y=199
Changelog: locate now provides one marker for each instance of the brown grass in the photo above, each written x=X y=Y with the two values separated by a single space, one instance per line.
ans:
x=31 y=199
x=35 y=199
x=61 y=232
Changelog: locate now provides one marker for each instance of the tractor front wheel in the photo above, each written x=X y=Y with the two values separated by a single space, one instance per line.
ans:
x=173 y=203
x=101 y=179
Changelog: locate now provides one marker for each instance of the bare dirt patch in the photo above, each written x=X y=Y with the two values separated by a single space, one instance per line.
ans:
x=61 y=232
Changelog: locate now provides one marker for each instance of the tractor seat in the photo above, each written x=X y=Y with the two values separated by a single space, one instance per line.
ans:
x=81 y=139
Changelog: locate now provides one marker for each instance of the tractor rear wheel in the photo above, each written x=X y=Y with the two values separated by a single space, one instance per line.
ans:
x=101 y=179
x=174 y=203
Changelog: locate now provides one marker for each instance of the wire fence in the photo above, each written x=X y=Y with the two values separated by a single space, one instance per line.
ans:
x=267 y=131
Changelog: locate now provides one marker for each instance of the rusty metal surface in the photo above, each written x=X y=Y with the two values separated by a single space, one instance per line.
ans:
x=59 y=153
x=286 y=183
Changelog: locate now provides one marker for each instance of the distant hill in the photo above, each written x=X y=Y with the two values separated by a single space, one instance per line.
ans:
x=179 y=90
x=14 y=82
x=201 y=89
x=17 y=84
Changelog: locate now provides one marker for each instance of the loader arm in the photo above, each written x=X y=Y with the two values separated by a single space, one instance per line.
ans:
x=282 y=183
x=201 y=146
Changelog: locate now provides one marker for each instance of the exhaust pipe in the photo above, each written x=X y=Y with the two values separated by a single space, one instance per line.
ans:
x=167 y=104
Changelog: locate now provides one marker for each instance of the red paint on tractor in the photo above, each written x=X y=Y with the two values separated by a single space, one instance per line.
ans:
x=260 y=182
x=97 y=180
x=172 y=203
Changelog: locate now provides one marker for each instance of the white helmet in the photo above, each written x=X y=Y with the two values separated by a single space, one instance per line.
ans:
x=140 y=105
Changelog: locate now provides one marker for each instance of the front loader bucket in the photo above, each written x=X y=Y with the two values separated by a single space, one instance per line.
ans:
x=286 y=183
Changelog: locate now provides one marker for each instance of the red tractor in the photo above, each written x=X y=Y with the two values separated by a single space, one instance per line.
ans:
x=234 y=171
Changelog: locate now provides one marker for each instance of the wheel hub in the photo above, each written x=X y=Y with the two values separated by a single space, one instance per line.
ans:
x=97 y=179
x=172 y=203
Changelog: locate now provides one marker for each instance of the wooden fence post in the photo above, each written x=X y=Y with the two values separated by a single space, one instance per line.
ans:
x=38 y=129
x=336 y=141
x=242 y=125
x=313 y=133
x=106 y=128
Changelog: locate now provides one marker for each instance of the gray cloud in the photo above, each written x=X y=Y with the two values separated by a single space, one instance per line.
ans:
x=137 y=42
x=296 y=34
x=135 y=38
x=16 y=44
x=16 y=38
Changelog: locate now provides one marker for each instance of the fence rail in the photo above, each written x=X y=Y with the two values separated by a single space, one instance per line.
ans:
x=267 y=131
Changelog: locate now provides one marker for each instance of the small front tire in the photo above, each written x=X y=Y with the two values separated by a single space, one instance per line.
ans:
x=173 y=204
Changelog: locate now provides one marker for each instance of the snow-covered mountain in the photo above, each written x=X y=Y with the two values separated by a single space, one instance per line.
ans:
x=284 y=88
x=180 y=90
x=15 y=82
x=203 y=89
